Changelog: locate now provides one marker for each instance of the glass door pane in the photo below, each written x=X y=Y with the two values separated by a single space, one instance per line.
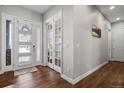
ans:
x=24 y=49
x=58 y=41
x=24 y=59
x=54 y=36
x=50 y=43
x=24 y=43
x=24 y=37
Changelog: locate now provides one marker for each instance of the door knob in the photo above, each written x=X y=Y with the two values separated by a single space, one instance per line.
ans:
x=33 y=46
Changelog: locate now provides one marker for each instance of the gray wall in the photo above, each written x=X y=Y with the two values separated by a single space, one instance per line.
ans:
x=0 y=43
x=117 y=41
x=67 y=37
x=81 y=51
x=17 y=10
x=89 y=52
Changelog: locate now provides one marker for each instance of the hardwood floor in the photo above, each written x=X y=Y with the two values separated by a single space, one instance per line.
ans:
x=44 y=77
x=110 y=75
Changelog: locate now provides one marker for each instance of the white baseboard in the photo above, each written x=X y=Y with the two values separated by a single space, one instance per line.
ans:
x=39 y=64
x=115 y=60
x=88 y=73
x=76 y=80
x=112 y=59
x=1 y=72
x=65 y=77
x=45 y=64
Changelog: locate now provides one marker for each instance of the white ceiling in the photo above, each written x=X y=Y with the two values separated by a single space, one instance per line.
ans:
x=111 y=15
x=37 y=8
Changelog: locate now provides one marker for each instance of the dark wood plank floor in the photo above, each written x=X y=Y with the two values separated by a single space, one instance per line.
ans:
x=110 y=75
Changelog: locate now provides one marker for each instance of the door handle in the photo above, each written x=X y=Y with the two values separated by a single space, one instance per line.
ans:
x=33 y=46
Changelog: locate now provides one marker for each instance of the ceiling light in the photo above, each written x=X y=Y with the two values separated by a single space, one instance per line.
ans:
x=118 y=18
x=111 y=7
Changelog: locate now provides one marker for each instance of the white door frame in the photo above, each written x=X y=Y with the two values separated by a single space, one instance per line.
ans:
x=14 y=48
x=38 y=39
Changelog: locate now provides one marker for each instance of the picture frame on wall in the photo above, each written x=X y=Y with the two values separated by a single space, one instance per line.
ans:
x=96 y=32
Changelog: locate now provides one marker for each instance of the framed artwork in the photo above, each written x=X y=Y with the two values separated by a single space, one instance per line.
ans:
x=96 y=32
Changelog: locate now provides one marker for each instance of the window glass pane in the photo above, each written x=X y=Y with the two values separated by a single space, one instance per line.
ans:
x=25 y=27
x=8 y=41
x=24 y=58
x=8 y=34
x=24 y=49
x=24 y=37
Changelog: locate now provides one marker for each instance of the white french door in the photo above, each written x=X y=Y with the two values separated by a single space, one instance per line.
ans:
x=54 y=41
x=50 y=42
x=25 y=49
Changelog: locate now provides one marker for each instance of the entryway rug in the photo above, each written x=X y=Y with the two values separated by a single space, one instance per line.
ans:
x=25 y=70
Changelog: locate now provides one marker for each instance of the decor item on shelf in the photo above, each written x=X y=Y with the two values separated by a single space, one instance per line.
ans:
x=96 y=32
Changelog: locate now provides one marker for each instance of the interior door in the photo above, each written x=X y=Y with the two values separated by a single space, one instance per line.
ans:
x=54 y=36
x=50 y=42
x=58 y=41
x=24 y=44
x=117 y=42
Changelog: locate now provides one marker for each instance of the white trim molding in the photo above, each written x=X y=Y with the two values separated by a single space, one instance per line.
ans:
x=65 y=77
x=76 y=80
x=1 y=72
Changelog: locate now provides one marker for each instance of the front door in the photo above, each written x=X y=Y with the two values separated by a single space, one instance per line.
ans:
x=24 y=44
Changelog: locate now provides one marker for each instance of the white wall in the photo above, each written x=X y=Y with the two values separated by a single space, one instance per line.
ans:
x=67 y=68
x=0 y=46
x=17 y=10
x=89 y=51
x=84 y=52
x=117 y=41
